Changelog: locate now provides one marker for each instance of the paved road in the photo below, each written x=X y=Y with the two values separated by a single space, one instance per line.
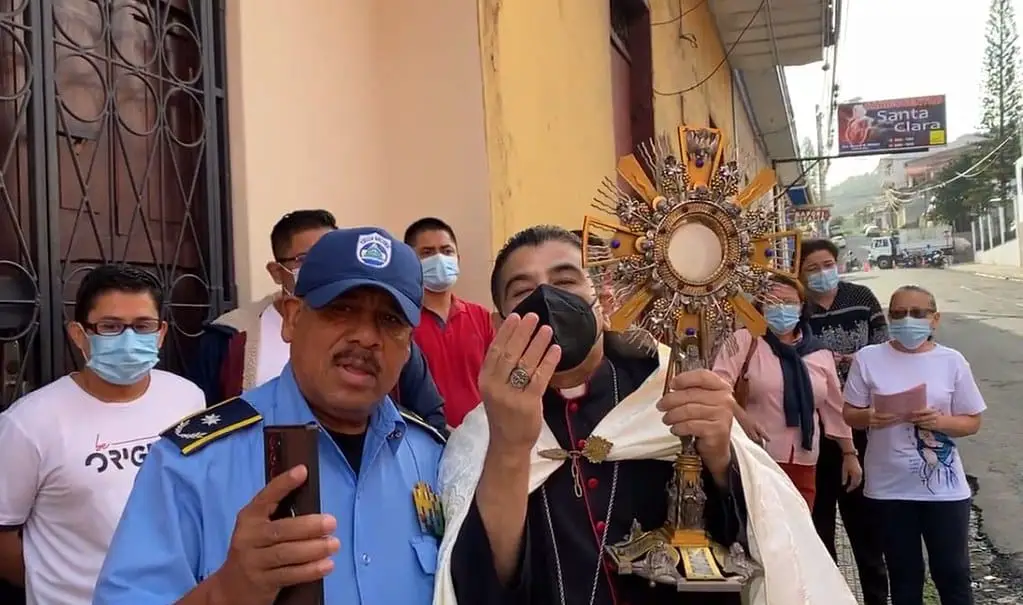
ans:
x=982 y=318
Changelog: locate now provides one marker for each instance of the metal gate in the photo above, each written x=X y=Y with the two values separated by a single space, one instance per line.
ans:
x=112 y=149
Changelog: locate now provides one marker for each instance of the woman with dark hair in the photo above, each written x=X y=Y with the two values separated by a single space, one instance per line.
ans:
x=916 y=397
x=787 y=387
x=845 y=317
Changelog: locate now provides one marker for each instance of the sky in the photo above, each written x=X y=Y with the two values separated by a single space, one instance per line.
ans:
x=900 y=48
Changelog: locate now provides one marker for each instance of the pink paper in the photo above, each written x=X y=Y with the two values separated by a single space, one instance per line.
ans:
x=903 y=404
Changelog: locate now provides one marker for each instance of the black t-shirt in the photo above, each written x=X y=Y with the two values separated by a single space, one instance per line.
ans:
x=351 y=447
x=853 y=321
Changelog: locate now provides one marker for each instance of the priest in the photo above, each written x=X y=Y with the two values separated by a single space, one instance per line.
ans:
x=528 y=528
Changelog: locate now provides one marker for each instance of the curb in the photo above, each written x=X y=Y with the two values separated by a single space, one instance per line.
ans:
x=990 y=275
x=993 y=276
x=1011 y=565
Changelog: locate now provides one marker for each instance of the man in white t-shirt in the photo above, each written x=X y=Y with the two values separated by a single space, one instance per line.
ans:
x=243 y=348
x=75 y=445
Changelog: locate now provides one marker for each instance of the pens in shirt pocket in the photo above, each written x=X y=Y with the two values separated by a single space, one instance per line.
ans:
x=429 y=510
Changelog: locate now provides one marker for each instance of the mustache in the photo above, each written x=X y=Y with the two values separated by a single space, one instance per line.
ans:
x=358 y=357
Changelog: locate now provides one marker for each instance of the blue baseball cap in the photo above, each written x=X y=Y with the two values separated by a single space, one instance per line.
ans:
x=345 y=259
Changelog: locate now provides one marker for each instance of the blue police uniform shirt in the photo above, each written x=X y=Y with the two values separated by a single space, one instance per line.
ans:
x=177 y=524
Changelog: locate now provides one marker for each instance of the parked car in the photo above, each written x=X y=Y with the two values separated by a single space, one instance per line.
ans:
x=871 y=231
x=838 y=240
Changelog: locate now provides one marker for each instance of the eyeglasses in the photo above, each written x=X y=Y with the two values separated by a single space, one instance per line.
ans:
x=914 y=313
x=298 y=259
x=111 y=327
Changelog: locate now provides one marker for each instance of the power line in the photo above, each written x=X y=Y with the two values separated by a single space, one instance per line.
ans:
x=680 y=16
x=959 y=175
x=810 y=166
x=724 y=59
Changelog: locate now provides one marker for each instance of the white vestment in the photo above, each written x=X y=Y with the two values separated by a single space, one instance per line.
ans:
x=797 y=569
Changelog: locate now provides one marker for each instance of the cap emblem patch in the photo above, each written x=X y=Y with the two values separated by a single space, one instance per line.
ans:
x=373 y=250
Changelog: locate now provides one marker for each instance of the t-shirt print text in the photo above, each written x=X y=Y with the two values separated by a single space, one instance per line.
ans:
x=119 y=455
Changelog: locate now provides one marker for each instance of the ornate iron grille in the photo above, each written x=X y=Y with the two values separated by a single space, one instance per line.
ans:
x=112 y=149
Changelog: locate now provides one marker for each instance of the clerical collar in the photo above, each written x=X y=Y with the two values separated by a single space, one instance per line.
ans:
x=576 y=392
x=635 y=345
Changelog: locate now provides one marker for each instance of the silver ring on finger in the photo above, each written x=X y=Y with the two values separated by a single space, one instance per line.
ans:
x=519 y=378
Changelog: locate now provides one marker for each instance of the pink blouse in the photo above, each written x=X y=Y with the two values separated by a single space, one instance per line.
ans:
x=765 y=400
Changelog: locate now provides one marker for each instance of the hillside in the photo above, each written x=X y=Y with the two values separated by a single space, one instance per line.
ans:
x=854 y=193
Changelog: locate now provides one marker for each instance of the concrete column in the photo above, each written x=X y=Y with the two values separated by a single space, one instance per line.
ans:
x=1001 y=225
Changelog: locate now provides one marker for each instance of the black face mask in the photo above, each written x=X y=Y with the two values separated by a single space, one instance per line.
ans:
x=570 y=317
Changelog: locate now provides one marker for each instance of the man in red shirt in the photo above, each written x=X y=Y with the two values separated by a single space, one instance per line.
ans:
x=453 y=334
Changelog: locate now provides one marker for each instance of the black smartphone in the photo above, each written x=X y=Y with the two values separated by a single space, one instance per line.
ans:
x=285 y=447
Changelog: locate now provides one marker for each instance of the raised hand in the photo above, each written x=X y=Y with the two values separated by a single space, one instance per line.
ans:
x=516 y=371
x=266 y=555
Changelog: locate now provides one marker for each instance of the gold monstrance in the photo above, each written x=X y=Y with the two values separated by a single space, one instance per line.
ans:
x=687 y=256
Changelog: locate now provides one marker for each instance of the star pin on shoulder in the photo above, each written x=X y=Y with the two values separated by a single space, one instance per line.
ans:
x=197 y=431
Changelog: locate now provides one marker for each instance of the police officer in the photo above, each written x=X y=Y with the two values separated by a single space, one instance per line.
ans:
x=197 y=528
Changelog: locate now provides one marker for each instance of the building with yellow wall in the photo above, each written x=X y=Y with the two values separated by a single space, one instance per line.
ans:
x=495 y=115
x=490 y=114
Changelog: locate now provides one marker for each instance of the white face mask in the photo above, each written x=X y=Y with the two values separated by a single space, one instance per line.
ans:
x=440 y=272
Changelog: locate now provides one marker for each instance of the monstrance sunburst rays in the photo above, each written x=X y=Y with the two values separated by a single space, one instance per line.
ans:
x=688 y=254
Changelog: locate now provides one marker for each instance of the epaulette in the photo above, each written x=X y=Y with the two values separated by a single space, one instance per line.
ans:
x=412 y=418
x=206 y=426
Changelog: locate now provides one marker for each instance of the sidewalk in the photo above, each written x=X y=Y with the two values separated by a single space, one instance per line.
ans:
x=993 y=271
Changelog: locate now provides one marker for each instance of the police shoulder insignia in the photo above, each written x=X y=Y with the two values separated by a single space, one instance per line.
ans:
x=206 y=426
x=412 y=418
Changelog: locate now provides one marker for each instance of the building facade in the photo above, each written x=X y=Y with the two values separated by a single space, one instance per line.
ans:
x=174 y=133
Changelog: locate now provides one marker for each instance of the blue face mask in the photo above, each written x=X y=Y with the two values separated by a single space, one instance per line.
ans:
x=782 y=318
x=824 y=280
x=123 y=359
x=910 y=332
x=440 y=272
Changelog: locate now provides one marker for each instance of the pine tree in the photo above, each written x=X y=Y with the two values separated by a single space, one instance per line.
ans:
x=1002 y=98
x=813 y=174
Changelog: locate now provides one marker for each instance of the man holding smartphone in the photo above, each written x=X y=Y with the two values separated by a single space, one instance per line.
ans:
x=199 y=526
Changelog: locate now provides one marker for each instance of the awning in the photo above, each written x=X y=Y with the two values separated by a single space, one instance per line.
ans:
x=769 y=35
x=783 y=32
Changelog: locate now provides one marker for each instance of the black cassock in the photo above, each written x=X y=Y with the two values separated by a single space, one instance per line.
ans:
x=640 y=494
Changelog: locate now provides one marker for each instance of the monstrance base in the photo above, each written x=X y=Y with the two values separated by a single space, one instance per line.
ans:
x=654 y=556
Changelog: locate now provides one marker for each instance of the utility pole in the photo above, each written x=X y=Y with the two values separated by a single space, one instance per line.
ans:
x=821 y=166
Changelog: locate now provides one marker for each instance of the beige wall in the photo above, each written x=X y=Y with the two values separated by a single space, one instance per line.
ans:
x=679 y=66
x=369 y=109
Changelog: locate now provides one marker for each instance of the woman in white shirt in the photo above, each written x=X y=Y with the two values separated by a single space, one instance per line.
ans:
x=914 y=476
